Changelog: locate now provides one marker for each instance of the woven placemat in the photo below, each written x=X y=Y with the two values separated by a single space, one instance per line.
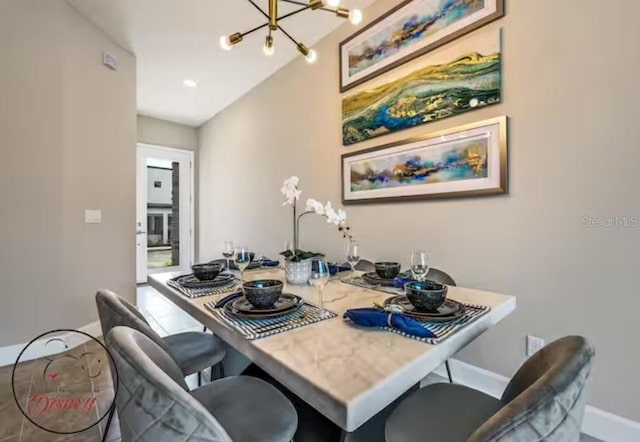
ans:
x=204 y=291
x=443 y=330
x=261 y=328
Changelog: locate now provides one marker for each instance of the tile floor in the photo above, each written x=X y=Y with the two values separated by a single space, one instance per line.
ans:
x=164 y=317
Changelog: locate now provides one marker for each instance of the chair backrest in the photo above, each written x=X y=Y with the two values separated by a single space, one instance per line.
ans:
x=363 y=265
x=440 y=277
x=153 y=402
x=546 y=398
x=114 y=311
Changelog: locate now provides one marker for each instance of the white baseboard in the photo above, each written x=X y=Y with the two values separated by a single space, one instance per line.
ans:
x=597 y=423
x=9 y=355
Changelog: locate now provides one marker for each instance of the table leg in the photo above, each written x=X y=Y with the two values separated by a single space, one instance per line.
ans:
x=314 y=427
x=373 y=429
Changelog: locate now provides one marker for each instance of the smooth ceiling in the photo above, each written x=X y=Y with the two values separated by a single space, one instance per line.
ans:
x=178 y=39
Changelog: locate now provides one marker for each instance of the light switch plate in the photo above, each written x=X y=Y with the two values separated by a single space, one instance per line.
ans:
x=93 y=216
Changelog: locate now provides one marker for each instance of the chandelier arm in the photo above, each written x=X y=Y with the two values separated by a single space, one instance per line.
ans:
x=258 y=8
x=304 y=4
x=293 y=13
x=279 y=27
x=257 y=28
x=250 y=31
x=288 y=35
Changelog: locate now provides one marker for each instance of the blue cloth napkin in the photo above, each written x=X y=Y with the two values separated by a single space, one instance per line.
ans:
x=400 y=281
x=336 y=268
x=373 y=317
x=269 y=262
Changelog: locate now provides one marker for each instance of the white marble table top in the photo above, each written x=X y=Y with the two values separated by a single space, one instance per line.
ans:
x=347 y=373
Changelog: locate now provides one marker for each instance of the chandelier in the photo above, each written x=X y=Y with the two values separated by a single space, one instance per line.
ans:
x=227 y=42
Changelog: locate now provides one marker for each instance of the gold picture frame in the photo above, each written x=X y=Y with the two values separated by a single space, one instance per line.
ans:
x=464 y=161
x=424 y=25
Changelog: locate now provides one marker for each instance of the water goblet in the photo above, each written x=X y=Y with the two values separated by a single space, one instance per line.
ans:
x=419 y=265
x=243 y=259
x=228 y=251
x=319 y=276
x=353 y=256
x=287 y=247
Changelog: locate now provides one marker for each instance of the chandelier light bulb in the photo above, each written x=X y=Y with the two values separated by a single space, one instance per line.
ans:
x=355 y=17
x=333 y=3
x=311 y=57
x=268 y=47
x=225 y=43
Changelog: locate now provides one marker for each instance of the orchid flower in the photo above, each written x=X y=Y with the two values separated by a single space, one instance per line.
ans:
x=315 y=206
x=292 y=194
x=330 y=213
x=342 y=217
x=290 y=190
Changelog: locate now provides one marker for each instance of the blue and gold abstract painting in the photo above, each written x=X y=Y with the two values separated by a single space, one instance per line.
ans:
x=456 y=161
x=461 y=79
x=423 y=19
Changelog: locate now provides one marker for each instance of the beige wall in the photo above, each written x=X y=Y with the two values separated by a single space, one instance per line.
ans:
x=571 y=91
x=165 y=133
x=67 y=134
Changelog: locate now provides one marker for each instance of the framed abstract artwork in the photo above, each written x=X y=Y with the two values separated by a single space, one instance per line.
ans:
x=464 y=76
x=409 y=30
x=469 y=160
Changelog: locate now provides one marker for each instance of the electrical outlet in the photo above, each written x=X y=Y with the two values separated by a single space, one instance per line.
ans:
x=534 y=344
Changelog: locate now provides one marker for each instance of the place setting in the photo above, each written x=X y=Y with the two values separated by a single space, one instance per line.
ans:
x=420 y=309
x=219 y=276
x=387 y=276
x=261 y=308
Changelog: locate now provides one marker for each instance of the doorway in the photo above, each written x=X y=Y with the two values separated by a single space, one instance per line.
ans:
x=164 y=226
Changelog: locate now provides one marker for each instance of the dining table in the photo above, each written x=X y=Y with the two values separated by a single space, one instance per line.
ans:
x=346 y=372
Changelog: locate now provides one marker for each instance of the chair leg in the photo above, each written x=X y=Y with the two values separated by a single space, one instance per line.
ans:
x=446 y=364
x=108 y=425
x=219 y=369
x=199 y=379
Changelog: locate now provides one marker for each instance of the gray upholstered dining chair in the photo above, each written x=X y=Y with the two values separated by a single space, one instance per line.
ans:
x=154 y=403
x=192 y=351
x=544 y=401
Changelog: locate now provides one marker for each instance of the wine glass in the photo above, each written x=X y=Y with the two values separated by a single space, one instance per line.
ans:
x=319 y=276
x=243 y=259
x=419 y=265
x=353 y=256
x=228 y=252
x=287 y=246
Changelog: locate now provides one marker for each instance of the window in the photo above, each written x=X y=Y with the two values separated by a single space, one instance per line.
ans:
x=157 y=184
x=154 y=224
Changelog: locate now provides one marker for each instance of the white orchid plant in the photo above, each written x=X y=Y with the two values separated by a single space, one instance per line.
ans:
x=339 y=218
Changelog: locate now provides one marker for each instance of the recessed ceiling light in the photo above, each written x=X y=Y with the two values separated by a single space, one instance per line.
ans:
x=190 y=83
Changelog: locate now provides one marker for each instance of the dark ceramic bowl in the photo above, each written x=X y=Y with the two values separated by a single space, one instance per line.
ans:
x=425 y=295
x=387 y=270
x=206 y=272
x=262 y=293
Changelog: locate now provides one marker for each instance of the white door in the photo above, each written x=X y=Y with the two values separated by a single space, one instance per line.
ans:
x=164 y=225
